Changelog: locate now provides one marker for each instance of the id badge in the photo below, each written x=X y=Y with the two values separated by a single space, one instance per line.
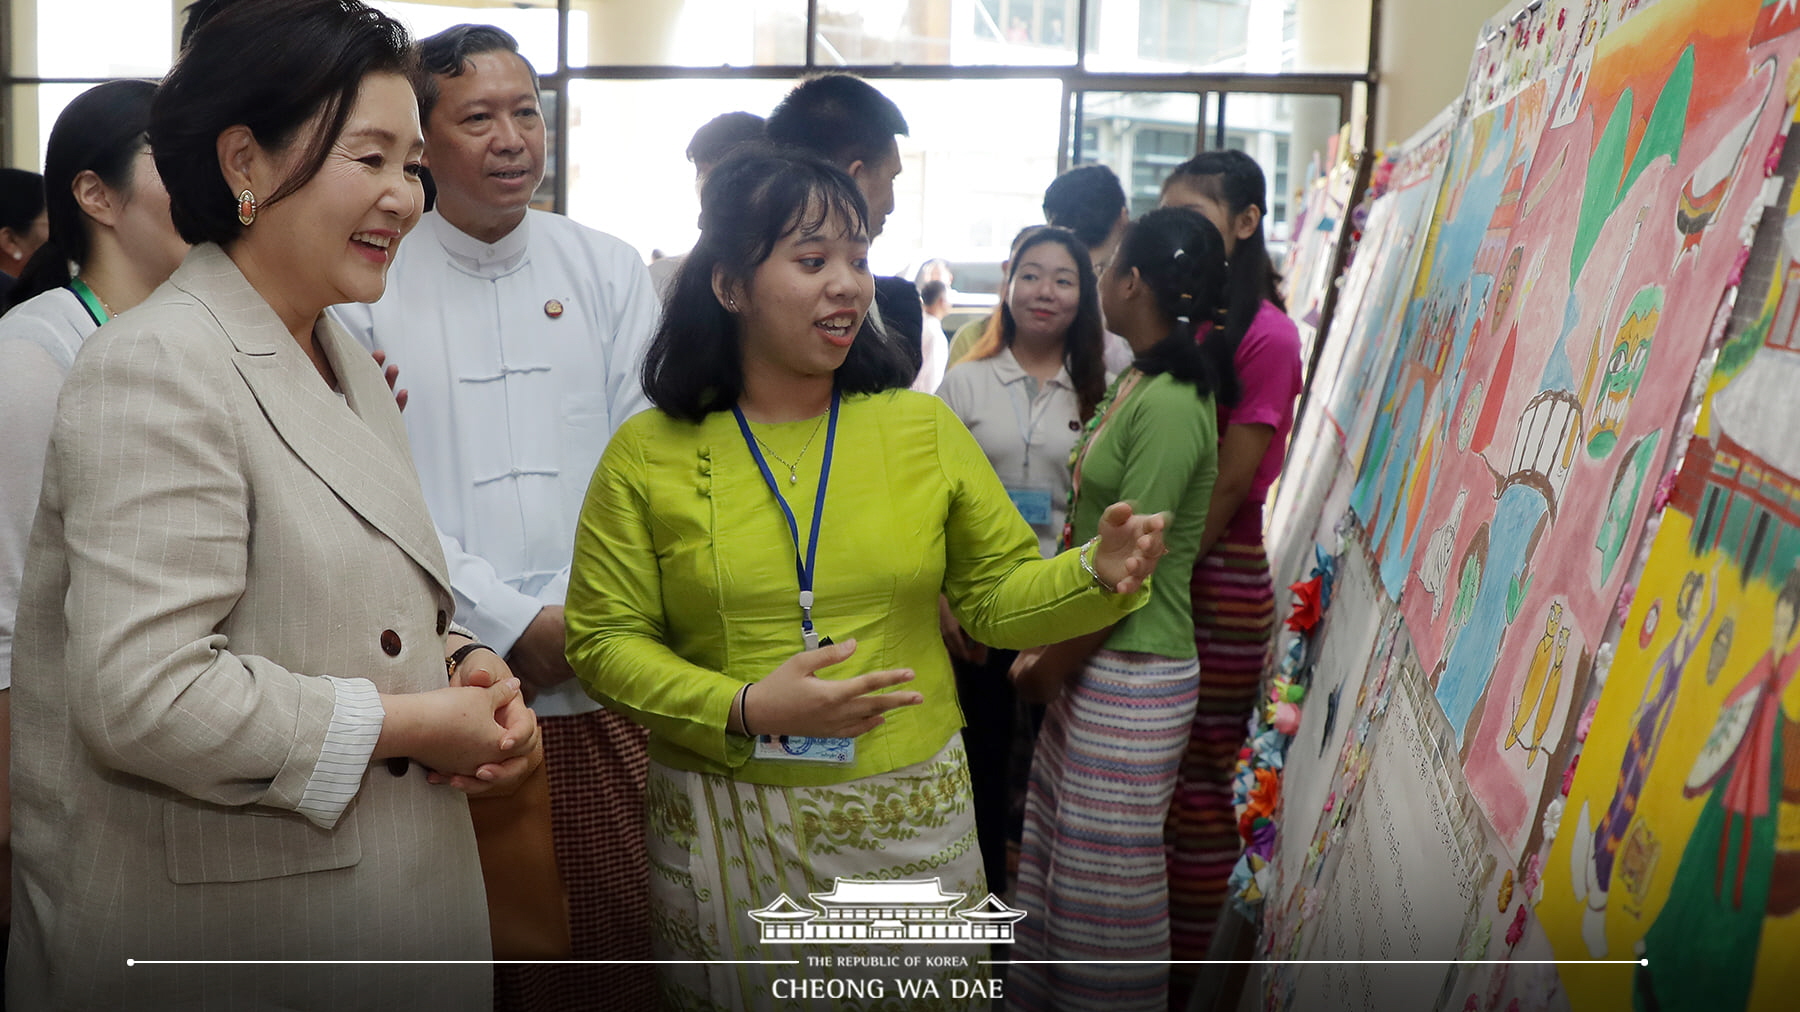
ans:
x=1033 y=504
x=793 y=748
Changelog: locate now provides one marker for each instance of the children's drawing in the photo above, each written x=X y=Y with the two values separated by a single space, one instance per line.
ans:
x=1578 y=379
x=1677 y=852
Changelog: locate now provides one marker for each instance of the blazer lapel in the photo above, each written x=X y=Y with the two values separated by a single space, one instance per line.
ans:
x=356 y=446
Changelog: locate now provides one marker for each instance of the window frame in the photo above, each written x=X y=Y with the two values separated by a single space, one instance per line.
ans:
x=1075 y=79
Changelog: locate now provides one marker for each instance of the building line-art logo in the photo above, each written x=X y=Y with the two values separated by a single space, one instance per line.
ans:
x=904 y=910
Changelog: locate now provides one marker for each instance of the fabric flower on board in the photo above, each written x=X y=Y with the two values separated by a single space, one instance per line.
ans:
x=1308 y=605
x=1533 y=879
x=1517 y=930
x=1586 y=723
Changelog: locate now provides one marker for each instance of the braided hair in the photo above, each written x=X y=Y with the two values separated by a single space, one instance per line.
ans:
x=1181 y=258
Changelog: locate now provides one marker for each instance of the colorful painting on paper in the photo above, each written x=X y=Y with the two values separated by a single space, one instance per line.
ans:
x=1448 y=298
x=1362 y=342
x=1583 y=243
x=1312 y=260
x=1680 y=841
x=1308 y=502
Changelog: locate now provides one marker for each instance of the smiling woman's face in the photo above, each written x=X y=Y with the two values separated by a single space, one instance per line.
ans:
x=1044 y=293
x=806 y=302
x=340 y=230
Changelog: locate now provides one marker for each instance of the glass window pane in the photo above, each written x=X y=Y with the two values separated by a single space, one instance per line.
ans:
x=984 y=32
x=98 y=38
x=697 y=33
x=532 y=22
x=35 y=108
x=965 y=187
x=1227 y=36
x=628 y=169
x=969 y=182
x=1141 y=135
x=1283 y=133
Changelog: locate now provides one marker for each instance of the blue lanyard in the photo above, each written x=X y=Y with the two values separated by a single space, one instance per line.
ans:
x=803 y=568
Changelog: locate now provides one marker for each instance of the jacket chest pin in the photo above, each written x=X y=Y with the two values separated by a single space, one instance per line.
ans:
x=553 y=309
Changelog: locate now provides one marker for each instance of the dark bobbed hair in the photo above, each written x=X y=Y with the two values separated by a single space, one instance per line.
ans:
x=1086 y=200
x=1181 y=257
x=1084 y=344
x=101 y=131
x=750 y=202
x=21 y=198
x=931 y=291
x=1234 y=180
x=837 y=117
x=719 y=136
x=447 y=54
x=283 y=68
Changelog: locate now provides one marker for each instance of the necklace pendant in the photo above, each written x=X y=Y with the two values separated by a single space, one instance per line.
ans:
x=793 y=477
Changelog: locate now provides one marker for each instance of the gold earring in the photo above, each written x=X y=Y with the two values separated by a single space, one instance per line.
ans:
x=246 y=208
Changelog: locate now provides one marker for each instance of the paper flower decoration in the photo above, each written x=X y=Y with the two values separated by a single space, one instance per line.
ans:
x=1308 y=604
x=1517 y=930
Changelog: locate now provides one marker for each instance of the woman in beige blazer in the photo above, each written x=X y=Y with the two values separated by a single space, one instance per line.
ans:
x=233 y=738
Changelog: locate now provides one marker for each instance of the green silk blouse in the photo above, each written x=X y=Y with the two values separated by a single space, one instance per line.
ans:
x=684 y=587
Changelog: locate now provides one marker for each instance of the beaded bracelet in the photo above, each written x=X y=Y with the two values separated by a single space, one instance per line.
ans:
x=1086 y=555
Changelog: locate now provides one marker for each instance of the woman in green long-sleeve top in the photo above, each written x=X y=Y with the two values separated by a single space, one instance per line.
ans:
x=758 y=564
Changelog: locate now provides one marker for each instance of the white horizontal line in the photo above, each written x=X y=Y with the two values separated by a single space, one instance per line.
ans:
x=1315 y=962
x=462 y=962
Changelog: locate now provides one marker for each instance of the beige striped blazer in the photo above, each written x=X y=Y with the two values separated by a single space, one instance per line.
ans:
x=217 y=530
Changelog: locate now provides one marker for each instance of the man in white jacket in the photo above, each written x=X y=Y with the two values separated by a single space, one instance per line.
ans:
x=520 y=335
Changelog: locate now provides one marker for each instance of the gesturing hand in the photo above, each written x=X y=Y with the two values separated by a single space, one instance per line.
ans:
x=1129 y=547
x=794 y=700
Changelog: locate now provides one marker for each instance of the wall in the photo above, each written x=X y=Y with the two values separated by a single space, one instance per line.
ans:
x=1425 y=47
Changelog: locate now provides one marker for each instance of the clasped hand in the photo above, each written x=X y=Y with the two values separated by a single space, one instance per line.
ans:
x=793 y=700
x=496 y=738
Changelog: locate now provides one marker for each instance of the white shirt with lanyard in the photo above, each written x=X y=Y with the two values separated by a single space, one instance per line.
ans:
x=840 y=751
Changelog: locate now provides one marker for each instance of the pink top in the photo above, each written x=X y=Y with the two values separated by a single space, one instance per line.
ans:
x=1268 y=368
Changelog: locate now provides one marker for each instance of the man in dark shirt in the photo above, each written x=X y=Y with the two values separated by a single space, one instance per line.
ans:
x=845 y=121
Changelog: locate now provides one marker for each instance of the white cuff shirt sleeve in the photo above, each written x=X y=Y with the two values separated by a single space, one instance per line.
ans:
x=356 y=718
x=491 y=608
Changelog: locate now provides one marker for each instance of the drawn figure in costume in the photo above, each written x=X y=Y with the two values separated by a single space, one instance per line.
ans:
x=1703 y=947
x=1537 y=678
x=1592 y=867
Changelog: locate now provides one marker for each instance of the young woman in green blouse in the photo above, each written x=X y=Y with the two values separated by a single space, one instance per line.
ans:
x=1093 y=878
x=756 y=577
